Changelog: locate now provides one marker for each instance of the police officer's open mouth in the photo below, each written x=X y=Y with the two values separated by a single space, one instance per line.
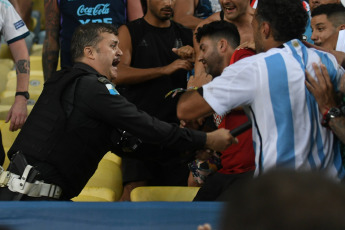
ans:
x=115 y=62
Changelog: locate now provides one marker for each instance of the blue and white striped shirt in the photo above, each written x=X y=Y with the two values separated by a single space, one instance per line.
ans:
x=287 y=132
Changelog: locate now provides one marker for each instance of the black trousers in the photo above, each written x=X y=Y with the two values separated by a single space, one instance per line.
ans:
x=217 y=186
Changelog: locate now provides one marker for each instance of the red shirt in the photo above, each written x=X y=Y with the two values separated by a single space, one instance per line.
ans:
x=238 y=158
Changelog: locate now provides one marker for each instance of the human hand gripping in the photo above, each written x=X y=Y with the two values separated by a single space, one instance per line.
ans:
x=17 y=114
x=219 y=140
x=177 y=65
x=185 y=53
x=322 y=89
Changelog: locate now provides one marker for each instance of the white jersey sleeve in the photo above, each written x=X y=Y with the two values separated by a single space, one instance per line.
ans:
x=341 y=41
x=12 y=27
x=234 y=87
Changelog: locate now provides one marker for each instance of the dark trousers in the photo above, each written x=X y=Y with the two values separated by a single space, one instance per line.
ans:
x=217 y=186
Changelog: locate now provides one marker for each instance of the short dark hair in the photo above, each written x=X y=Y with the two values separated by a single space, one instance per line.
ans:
x=287 y=18
x=89 y=35
x=220 y=29
x=335 y=13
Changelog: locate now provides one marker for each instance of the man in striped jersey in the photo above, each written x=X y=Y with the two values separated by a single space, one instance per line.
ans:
x=287 y=131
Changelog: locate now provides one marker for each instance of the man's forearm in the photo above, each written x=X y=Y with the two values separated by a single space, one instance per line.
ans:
x=21 y=58
x=50 y=54
x=51 y=44
x=192 y=105
x=130 y=75
x=49 y=62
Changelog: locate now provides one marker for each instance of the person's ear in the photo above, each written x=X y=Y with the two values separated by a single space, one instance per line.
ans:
x=266 y=29
x=89 y=52
x=341 y=27
x=222 y=45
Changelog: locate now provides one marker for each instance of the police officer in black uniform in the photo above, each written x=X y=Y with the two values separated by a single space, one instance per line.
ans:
x=79 y=117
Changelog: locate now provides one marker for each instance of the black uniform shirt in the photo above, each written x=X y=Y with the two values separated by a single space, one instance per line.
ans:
x=96 y=109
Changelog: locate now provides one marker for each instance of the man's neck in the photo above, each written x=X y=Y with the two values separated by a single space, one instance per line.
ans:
x=271 y=43
x=156 y=22
x=243 y=19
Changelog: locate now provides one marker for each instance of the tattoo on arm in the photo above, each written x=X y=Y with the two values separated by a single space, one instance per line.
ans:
x=23 y=66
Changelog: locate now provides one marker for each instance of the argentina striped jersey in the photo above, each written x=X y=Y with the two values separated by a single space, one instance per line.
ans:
x=287 y=132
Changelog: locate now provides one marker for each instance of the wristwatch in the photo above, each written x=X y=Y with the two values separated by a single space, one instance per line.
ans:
x=330 y=114
x=25 y=94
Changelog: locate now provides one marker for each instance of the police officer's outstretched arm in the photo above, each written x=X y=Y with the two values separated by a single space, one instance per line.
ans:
x=113 y=109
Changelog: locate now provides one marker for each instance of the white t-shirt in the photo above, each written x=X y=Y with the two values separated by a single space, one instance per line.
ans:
x=341 y=41
x=287 y=132
x=12 y=27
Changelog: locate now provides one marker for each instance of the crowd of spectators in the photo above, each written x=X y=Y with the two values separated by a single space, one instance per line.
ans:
x=204 y=65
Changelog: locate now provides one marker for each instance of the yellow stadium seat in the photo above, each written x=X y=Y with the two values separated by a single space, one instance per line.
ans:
x=5 y=52
x=8 y=138
x=164 y=193
x=113 y=157
x=7 y=97
x=36 y=50
x=33 y=23
x=36 y=63
x=104 y=185
x=6 y=65
x=96 y=194
x=39 y=6
x=4 y=111
x=36 y=83
x=7 y=161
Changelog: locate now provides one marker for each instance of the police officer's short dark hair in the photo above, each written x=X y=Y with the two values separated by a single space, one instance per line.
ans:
x=88 y=35
x=335 y=13
x=287 y=18
x=220 y=29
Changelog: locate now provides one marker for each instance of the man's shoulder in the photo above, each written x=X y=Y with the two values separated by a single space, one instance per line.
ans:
x=136 y=22
x=179 y=26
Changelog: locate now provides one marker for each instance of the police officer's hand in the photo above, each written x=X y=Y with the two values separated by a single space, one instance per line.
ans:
x=220 y=140
x=177 y=65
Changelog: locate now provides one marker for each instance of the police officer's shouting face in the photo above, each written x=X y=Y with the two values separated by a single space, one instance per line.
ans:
x=106 y=55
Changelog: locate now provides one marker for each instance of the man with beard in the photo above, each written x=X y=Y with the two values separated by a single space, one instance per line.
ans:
x=218 y=41
x=238 y=12
x=148 y=71
x=287 y=129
